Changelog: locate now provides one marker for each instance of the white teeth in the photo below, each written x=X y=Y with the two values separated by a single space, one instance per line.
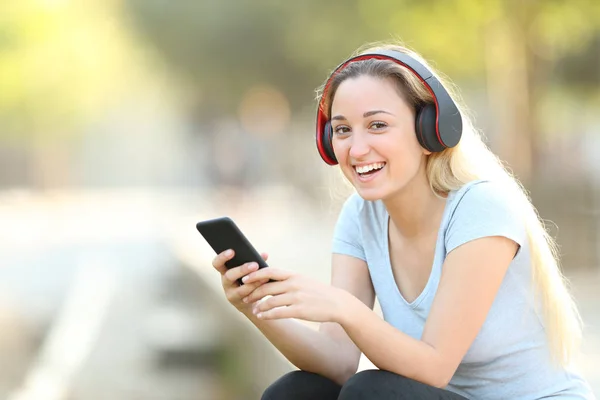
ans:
x=362 y=169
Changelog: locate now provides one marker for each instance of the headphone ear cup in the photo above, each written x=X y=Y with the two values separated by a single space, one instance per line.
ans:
x=327 y=141
x=425 y=122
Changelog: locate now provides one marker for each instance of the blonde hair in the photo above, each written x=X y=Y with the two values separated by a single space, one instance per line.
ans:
x=471 y=160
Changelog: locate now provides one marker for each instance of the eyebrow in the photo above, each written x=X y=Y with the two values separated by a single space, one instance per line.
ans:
x=365 y=115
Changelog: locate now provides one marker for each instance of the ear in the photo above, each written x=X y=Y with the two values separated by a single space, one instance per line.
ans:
x=426 y=152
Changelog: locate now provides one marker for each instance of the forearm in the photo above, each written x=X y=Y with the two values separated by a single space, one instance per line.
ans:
x=307 y=349
x=392 y=350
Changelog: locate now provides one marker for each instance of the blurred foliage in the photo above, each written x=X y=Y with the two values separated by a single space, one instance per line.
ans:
x=228 y=46
x=62 y=61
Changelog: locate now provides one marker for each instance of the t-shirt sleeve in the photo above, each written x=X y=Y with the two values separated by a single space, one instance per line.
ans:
x=486 y=209
x=347 y=234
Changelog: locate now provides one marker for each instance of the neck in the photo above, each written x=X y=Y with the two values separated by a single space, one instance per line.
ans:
x=416 y=211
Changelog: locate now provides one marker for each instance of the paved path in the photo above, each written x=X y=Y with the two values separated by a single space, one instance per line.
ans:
x=44 y=241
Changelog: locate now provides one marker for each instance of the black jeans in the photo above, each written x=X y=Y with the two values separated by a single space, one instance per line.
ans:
x=365 y=385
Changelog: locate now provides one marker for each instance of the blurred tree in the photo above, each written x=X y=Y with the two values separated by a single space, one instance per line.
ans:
x=61 y=64
x=225 y=47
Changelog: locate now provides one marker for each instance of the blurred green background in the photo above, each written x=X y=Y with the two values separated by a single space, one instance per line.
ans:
x=124 y=122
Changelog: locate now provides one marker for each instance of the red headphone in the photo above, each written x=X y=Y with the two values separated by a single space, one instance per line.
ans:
x=438 y=126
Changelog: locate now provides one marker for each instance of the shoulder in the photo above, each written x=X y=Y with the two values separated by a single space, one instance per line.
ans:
x=488 y=195
x=354 y=203
x=361 y=219
x=486 y=208
x=347 y=237
x=357 y=207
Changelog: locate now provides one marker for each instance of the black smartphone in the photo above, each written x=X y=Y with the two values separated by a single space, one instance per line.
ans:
x=222 y=234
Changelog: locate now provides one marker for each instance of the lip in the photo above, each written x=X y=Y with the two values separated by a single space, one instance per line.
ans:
x=364 y=179
x=367 y=163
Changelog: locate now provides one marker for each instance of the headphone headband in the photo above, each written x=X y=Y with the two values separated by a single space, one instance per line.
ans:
x=448 y=121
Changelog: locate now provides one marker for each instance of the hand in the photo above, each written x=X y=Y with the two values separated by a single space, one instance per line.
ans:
x=234 y=292
x=295 y=296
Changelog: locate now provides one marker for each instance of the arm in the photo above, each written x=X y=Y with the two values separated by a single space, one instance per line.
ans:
x=328 y=351
x=471 y=277
x=482 y=239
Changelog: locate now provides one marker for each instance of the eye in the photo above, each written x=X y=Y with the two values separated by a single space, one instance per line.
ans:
x=377 y=125
x=341 y=130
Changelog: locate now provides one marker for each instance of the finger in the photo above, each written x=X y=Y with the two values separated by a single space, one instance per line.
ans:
x=268 y=289
x=281 y=300
x=265 y=256
x=244 y=290
x=233 y=274
x=267 y=273
x=219 y=261
x=280 y=313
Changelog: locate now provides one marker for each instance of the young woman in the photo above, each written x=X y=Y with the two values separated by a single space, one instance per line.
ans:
x=473 y=300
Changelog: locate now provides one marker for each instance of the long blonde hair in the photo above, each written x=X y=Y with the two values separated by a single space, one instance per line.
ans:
x=471 y=160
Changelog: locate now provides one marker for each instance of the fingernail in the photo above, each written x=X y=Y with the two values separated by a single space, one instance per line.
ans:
x=259 y=315
x=228 y=253
x=245 y=299
x=244 y=279
x=253 y=266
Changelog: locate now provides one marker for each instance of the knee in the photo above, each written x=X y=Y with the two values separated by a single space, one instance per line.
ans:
x=286 y=384
x=301 y=385
x=366 y=384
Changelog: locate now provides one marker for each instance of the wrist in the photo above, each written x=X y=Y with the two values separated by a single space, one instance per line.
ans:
x=246 y=310
x=346 y=306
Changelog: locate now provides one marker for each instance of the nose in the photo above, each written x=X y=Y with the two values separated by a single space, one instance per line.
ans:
x=359 y=146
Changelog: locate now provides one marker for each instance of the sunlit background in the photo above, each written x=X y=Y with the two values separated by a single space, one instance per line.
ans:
x=124 y=122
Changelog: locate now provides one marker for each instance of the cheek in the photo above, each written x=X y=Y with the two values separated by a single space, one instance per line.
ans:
x=340 y=150
x=406 y=159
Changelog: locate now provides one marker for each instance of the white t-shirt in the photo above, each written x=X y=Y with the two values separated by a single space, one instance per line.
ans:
x=509 y=358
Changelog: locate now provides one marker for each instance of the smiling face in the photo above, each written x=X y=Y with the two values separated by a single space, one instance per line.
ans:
x=374 y=137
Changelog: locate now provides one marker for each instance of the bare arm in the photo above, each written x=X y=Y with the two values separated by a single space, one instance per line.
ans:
x=471 y=277
x=352 y=275
x=328 y=351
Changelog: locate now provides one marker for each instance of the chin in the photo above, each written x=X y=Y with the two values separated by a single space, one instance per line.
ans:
x=382 y=192
x=372 y=194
